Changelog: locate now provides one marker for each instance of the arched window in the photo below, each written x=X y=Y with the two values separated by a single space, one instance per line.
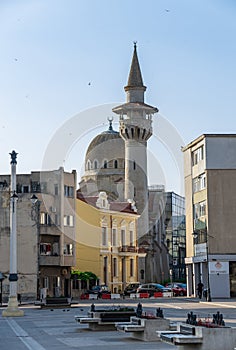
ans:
x=95 y=164
x=115 y=164
x=88 y=165
x=105 y=164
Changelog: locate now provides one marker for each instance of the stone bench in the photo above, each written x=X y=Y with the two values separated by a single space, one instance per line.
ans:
x=188 y=337
x=104 y=319
x=144 y=328
x=55 y=302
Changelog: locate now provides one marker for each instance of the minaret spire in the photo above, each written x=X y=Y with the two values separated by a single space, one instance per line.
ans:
x=135 y=76
x=135 y=88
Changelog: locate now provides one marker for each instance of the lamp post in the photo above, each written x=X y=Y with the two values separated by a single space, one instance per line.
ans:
x=12 y=308
x=35 y=216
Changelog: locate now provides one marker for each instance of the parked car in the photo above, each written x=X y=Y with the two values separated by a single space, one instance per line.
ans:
x=99 y=290
x=178 y=289
x=131 y=288
x=152 y=288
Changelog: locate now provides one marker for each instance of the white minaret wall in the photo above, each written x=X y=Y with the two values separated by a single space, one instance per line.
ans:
x=135 y=155
x=136 y=129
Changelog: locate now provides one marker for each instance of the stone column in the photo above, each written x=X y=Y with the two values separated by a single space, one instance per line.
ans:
x=12 y=309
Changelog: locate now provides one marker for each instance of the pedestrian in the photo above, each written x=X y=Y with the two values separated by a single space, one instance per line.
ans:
x=200 y=289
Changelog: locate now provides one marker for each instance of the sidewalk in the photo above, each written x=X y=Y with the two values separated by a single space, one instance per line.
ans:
x=57 y=329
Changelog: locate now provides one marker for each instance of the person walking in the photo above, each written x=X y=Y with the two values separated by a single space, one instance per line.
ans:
x=200 y=289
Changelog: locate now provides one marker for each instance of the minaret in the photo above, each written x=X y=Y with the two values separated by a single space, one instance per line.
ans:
x=136 y=129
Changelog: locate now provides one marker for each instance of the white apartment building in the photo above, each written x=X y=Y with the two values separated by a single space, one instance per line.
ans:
x=210 y=191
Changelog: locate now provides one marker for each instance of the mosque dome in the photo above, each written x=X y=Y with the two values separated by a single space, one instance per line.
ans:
x=105 y=151
x=104 y=164
x=105 y=136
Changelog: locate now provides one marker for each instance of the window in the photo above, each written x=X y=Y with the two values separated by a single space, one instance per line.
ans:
x=104 y=236
x=105 y=164
x=56 y=221
x=46 y=282
x=69 y=220
x=69 y=191
x=199 y=209
x=134 y=165
x=131 y=238
x=95 y=164
x=131 y=267
x=25 y=189
x=114 y=234
x=115 y=164
x=115 y=267
x=55 y=249
x=45 y=219
x=197 y=155
x=88 y=165
x=122 y=237
x=45 y=249
x=56 y=190
x=68 y=249
x=199 y=183
x=35 y=186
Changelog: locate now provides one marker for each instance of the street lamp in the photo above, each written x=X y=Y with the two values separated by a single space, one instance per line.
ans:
x=35 y=216
x=12 y=308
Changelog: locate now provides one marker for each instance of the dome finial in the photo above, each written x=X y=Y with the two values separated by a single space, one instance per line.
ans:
x=110 y=119
x=135 y=44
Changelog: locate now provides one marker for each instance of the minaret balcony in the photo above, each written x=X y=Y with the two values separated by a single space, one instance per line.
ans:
x=139 y=133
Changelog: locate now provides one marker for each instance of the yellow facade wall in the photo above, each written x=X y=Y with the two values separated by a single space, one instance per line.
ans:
x=92 y=255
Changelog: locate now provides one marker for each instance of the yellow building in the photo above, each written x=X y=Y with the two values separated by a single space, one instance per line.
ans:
x=106 y=240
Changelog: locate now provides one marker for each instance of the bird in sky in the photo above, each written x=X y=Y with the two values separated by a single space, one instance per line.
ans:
x=89 y=83
x=167 y=10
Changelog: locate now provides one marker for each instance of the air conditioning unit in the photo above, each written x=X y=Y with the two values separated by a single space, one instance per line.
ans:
x=64 y=272
x=53 y=209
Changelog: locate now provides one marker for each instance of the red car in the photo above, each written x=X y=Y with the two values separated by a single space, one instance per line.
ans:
x=178 y=289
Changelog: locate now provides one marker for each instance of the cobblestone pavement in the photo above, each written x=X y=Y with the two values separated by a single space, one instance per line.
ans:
x=49 y=329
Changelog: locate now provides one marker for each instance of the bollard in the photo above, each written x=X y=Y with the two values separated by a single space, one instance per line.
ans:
x=191 y=319
x=218 y=319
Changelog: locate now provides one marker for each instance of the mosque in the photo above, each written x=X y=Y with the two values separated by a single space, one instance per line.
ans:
x=116 y=167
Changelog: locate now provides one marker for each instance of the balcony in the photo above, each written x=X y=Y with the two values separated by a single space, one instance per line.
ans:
x=127 y=250
x=69 y=260
x=49 y=260
x=50 y=230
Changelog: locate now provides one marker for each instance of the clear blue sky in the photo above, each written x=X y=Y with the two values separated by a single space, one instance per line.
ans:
x=52 y=50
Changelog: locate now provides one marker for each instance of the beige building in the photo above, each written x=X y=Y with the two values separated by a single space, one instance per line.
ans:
x=210 y=191
x=107 y=240
x=45 y=232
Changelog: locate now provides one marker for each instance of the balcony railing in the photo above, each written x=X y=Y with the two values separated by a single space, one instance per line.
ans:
x=128 y=249
x=49 y=260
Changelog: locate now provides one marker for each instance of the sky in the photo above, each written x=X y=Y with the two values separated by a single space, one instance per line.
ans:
x=64 y=64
